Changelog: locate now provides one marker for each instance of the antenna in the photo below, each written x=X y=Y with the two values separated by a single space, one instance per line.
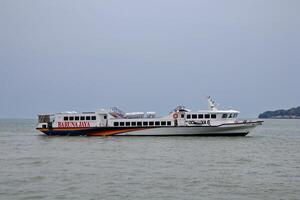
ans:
x=211 y=104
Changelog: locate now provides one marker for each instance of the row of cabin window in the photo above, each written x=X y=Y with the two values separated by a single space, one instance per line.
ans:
x=76 y=118
x=201 y=116
x=231 y=115
x=151 y=123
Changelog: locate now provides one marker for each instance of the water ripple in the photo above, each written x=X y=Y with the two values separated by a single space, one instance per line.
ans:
x=263 y=165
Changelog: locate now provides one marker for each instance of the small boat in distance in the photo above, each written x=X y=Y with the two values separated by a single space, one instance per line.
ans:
x=179 y=122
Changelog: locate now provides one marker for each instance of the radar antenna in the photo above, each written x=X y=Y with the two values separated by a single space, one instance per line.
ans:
x=211 y=104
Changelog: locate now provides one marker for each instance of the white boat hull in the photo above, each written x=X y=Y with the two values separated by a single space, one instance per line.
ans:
x=226 y=130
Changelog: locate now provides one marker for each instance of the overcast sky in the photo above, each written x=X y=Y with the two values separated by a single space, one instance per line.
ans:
x=64 y=55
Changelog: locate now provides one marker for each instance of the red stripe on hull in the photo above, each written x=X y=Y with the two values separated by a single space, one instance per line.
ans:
x=113 y=132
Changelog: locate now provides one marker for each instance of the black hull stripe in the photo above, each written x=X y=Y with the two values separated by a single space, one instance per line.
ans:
x=189 y=135
x=167 y=135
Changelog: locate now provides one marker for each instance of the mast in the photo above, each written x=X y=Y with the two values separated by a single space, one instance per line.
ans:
x=211 y=104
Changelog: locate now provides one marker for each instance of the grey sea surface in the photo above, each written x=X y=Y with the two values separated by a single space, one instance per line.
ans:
x=263 y=165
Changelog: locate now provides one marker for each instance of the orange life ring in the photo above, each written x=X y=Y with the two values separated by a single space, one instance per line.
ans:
x=175 y=115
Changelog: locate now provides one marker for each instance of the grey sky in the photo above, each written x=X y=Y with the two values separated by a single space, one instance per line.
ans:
x=148 y=55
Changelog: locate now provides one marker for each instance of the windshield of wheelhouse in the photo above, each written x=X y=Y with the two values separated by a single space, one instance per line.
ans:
x=229 y=115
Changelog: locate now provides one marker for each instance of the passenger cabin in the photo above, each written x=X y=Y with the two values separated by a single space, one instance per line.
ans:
x=116 y=118
x=211 y=117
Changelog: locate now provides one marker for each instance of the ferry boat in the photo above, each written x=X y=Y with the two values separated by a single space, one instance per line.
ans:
x=179 y=122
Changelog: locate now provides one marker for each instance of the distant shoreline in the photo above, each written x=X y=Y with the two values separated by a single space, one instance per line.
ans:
x=292 y=113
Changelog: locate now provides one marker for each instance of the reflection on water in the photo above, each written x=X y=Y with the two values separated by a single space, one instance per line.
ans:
x=263 y=165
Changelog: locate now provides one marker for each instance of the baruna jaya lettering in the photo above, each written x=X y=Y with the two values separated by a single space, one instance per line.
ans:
x=73 y=124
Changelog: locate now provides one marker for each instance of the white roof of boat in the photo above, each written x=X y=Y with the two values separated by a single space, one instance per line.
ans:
x=218 y=111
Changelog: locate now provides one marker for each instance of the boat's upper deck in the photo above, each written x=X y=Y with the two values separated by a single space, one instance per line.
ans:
x=115 y=117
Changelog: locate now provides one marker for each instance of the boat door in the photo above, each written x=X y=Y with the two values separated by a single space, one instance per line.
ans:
x=181 y=119
x=103 y=119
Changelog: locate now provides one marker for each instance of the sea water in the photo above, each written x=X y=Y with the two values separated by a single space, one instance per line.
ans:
x=263 y=165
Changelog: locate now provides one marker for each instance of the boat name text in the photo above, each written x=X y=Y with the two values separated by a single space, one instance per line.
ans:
x=73 y=124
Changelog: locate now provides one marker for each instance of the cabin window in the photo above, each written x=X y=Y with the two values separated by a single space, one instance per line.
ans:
x=88 y=117
x=194 y=116
x=206 y=116
x=82 y=118
x=157 y=123
x=66 y=118
x=200 y=116
x=105 y=117
x=235 y=115
x=44 y=126
x=71 y=118
x=116 y=123
x=163 y=123
x=133 y=123
x=224 y=115
x=213 y=116
x=145 y=123
x=151 y=123
x=93 y=117
x=127 y=123
x=121 y=123
x=188 y=116
x=230 y=116
x=182 y=115
x=77 y=118
x=169 y=123
x=139 y=123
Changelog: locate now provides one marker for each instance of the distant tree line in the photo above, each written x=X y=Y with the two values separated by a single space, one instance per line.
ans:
x=293 y=113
